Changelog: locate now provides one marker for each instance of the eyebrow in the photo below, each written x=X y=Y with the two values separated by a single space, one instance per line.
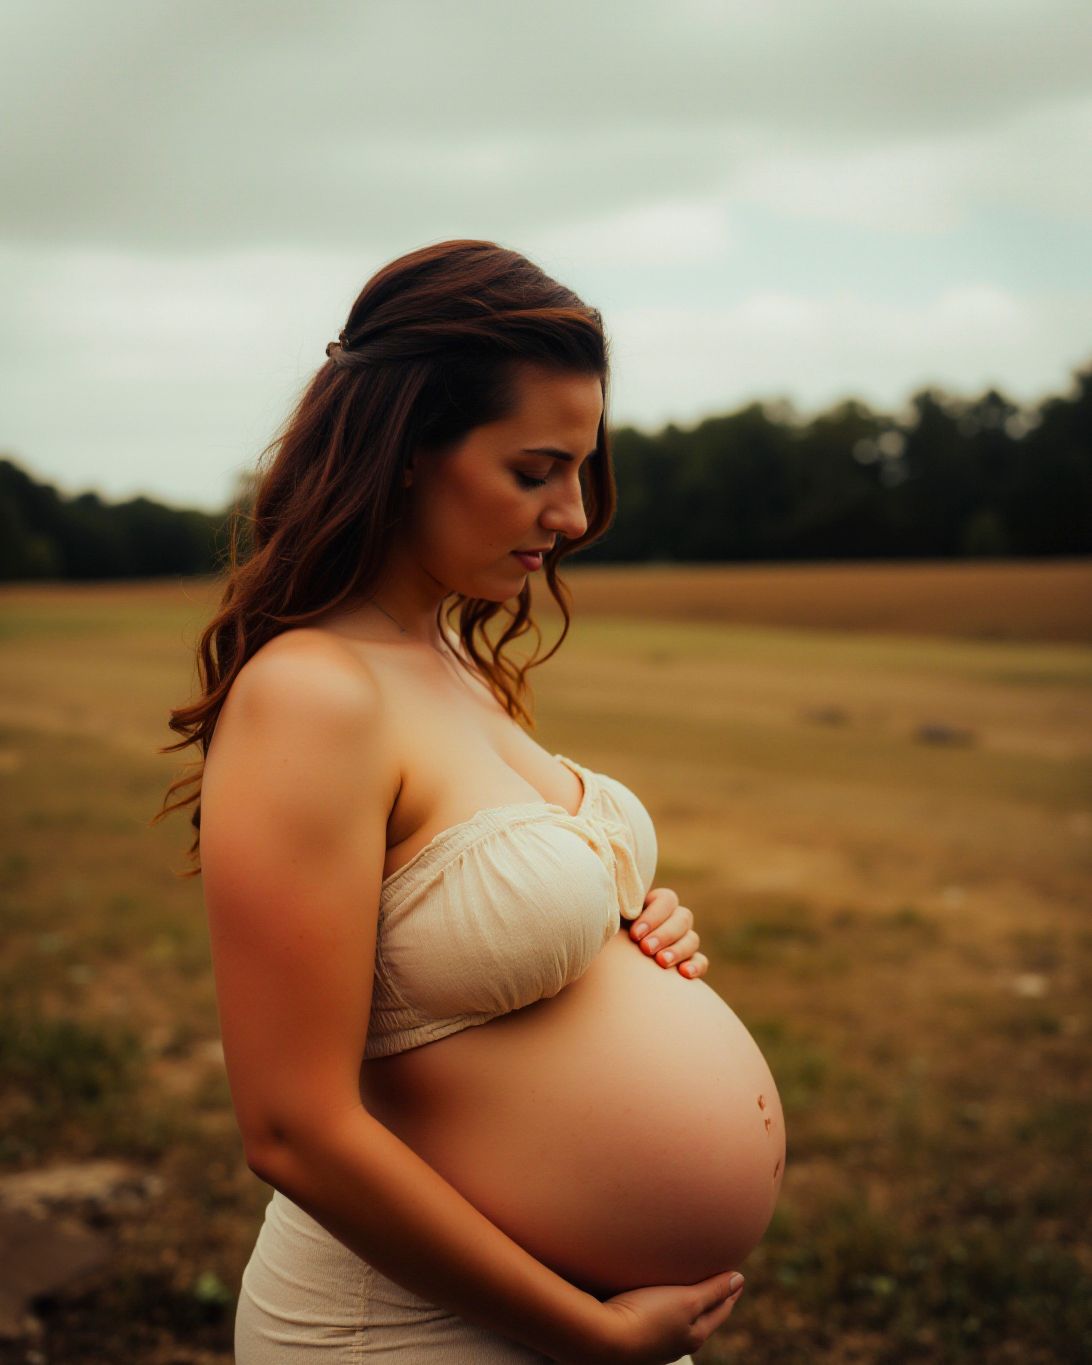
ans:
x=557 y=454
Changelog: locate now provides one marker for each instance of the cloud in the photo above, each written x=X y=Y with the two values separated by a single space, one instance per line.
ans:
x=199 y=126
x=933 y=185
x=672 y=363
x=762 y=200
x=169 y=376
x=668 y=232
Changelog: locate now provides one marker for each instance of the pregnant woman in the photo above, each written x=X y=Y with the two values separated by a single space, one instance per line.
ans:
x=499 y=1124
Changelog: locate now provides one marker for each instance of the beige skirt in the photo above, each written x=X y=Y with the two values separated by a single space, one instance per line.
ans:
x=307 y=1300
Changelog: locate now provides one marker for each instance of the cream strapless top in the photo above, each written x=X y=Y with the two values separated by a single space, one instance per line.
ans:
x=505 y=908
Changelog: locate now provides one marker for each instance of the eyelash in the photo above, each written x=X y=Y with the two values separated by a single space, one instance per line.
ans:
x=527 y=481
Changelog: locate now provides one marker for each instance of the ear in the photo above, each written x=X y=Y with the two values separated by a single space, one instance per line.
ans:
x=410 y=467
x=415 y=461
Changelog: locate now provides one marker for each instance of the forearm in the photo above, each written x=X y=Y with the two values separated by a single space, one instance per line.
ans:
x=382 y=1201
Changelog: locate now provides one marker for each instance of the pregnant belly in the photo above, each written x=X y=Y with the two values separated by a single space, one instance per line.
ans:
x=625 y=1132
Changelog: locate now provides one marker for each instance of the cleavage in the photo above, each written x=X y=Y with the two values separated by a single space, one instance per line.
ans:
x=446 y=815
x=458 y=743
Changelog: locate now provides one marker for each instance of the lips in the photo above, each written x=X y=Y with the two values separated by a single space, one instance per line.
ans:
x=530 y=560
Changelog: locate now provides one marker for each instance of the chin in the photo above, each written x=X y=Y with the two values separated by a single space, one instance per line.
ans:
x=504 y=585
x=491 y=590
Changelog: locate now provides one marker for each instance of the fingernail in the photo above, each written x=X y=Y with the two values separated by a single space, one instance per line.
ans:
x=652 y=944
x=667 y=955
x=640 y=930
x=735 y=1284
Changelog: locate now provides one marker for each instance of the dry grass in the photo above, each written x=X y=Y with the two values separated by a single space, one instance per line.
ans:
x=901 y=924
x=1004 y=599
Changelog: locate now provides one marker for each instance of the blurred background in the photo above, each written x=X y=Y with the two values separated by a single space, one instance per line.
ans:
x=842 y=254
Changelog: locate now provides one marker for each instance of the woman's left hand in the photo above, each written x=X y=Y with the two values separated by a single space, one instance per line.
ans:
x=665 y=930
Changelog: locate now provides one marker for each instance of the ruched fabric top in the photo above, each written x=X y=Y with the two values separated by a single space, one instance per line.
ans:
x=505 y=908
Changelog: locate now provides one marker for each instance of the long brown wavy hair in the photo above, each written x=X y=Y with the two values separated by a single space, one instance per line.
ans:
x=429 y=352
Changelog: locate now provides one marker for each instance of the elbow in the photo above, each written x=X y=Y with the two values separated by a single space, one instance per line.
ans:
x=259 y=1162
x=268 y=1146
x=281 y=1154
x=265 y=1156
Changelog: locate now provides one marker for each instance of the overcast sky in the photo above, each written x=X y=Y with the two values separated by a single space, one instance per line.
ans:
x=795 y=200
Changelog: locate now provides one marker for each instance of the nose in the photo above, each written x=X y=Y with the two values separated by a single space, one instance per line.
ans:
x=565 y=513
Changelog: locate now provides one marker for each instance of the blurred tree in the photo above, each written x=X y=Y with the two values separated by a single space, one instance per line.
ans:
x=956 y=477
x=985 y=534
x=43 y=535
x=1049 y=502
x=837 y=494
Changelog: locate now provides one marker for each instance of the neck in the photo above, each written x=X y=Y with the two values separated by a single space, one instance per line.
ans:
x=407 y=598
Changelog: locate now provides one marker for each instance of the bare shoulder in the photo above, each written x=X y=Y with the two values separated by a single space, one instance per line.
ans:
x=307 y=667
x=305 y=723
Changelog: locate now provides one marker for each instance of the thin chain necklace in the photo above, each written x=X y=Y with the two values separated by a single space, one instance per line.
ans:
x=388 y=615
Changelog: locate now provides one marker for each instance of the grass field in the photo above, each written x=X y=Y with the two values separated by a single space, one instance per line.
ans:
x=871 y=783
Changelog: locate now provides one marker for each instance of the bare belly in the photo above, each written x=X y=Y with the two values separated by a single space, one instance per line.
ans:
x=625 y=1132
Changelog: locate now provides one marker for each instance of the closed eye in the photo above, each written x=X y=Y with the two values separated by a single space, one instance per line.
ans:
x=528 y=482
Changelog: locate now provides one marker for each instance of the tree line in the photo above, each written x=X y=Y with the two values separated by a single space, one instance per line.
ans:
x=951 y=478
x=44 y=534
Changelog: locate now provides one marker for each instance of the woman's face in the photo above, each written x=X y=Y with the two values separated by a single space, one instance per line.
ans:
x=496 y=491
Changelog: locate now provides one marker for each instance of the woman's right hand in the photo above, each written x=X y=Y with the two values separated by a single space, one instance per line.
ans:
x=658 y=1324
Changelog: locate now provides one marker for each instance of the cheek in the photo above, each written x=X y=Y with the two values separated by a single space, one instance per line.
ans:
x=492 y=509
x=467 y=518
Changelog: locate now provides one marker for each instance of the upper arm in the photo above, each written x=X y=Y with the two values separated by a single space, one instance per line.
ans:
x=297 y=789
